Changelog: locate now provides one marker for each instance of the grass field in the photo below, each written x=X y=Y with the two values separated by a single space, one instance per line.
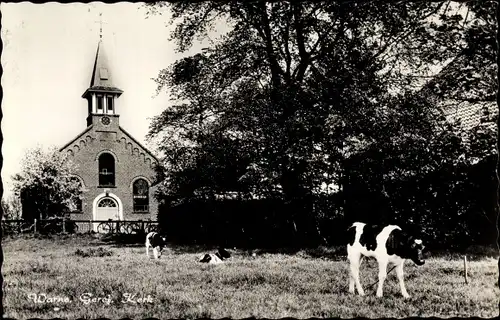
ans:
x=301 y=285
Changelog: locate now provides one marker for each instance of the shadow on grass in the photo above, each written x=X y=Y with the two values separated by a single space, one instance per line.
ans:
x=334 y=253
x=99 y=252
x=331 y=253
x=121 y=240
x=138 y=240
x=191 y=248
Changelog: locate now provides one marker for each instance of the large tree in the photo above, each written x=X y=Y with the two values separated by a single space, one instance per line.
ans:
x=295 y=89
x=284 y=76
x=45 y=184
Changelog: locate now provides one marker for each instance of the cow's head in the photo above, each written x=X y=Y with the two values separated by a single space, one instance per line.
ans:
x=416 y=251
x=163 y=241
x=223 y=253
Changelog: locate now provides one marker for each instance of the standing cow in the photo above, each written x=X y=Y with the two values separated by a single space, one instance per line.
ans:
x=389 y=244
x=157 y=242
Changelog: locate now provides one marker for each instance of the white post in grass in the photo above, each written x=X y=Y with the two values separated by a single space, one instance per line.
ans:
x=465 y=270
x=34 y=229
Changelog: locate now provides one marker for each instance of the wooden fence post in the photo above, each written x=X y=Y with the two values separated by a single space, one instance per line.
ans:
x=64 y=225
x=34 y=229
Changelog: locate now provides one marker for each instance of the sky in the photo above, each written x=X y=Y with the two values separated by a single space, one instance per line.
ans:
x=47 y=59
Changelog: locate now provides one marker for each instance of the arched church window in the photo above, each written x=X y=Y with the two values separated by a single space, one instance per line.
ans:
x=107 y=203
x=140 y=190
x=106 y=170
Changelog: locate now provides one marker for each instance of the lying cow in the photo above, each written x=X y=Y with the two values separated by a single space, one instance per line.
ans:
x=157 y=242
x=389 y=244
x=214 y=258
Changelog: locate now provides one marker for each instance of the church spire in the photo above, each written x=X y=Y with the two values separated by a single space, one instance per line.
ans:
x=102 y=92
x=101 y=73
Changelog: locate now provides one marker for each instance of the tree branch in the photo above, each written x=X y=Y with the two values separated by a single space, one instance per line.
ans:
x=275 y=68
x=334 y=42
x=409 y=30
x=304 y=55
x=288 y=58
x=322 y=37
x=264 y=30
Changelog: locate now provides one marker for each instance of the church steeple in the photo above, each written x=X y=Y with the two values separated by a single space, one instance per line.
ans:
x=102 y=93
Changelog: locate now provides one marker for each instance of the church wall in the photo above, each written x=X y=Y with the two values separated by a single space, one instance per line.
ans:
x=131 y=161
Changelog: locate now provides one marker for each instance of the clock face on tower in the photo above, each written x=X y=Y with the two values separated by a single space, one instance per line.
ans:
x=105 y=120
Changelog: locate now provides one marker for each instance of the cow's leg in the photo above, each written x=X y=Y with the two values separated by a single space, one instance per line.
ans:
x=351 y=274
x=354 y=263
x=399 y=272
x=147 y=249
x=355 y=275
x=382 y=274
x=351 y=278
x=155 y=252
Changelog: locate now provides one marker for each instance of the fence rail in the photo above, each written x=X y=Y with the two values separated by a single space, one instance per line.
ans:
x=63 y=225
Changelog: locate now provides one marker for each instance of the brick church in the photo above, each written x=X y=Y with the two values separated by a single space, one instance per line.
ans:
x=116 y=172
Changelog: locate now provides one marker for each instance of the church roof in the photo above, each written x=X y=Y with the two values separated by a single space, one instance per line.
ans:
x=102 y=80
x=76 y=138
x=472 y=114
x=139 y=144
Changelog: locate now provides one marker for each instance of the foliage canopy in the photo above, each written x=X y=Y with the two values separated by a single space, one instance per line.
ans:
x=46 y=184
x=297 y=96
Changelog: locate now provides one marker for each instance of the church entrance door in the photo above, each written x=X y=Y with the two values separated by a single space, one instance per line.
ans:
x=107 y=208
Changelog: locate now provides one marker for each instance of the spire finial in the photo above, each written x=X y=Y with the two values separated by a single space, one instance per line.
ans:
x=100 y=25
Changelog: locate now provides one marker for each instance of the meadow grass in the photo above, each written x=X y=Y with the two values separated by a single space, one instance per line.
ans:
x=302 y=284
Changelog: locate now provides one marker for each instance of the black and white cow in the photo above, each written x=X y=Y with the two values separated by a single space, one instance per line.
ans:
x=388 y=244
x=157 y=242
x=215 y=258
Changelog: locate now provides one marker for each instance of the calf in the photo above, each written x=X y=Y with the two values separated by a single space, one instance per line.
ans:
x=387 y=244
x=157 y=242
x=217 y=257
